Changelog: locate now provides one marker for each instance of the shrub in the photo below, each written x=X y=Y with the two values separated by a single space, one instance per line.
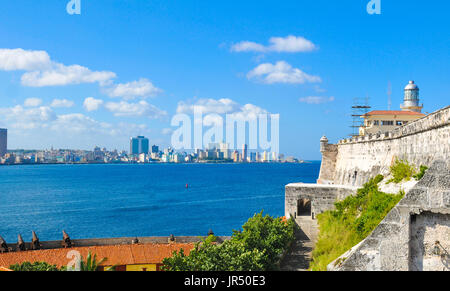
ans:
x=257 y=247
x=401 y=170
x=421 y=173
x=352 y=221
x=34 y=267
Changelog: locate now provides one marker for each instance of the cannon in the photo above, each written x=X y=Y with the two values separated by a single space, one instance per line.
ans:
x=20 y=244
x=66 y=242
x=35 y=244
x=3 y=246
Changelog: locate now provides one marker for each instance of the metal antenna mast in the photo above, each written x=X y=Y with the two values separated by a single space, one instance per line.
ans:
x=389 y=92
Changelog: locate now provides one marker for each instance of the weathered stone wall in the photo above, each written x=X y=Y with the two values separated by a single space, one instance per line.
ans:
x=358 y=159
x=407 y=238
x=322 y=197
x=327 y=169
x=410 y=235
x=117 y=241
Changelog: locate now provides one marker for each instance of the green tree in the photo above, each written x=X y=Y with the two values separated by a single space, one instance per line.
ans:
x=91 y=264
x=257 y=247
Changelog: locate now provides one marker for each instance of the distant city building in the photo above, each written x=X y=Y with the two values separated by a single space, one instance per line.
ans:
x=274 y=157
x=381 y=121
x=236 y=156
x=139 y=145
x=244 y=153
x=253 y=157
x=265 y=157
x=3 y=141
x=225 y=150
x=155 y=149
x=143 y=158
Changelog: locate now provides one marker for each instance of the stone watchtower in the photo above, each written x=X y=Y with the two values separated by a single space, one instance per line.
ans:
x=411 y=99
x=329 y=153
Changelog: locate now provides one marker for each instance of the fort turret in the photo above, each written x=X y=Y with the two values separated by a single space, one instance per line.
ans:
x=329 y=152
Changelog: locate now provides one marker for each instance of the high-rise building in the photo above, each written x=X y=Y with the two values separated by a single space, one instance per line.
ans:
x=139 y=145
x=155 y=149
x=3 y=141
x=236 y=156
x=225 y=150
x=244 y=153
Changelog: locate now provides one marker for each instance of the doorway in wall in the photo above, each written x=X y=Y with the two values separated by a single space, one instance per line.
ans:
x=304 y=207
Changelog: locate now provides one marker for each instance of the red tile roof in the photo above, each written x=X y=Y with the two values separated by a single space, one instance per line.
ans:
x=3 y=269
x=394 y=112
x=119 y=255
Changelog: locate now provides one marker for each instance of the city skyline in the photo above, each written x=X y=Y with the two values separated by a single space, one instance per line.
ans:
x=126 y=69
x=141 y=152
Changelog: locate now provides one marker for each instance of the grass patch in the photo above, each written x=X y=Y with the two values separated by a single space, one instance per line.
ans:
x=421 y=173
x=352 y=221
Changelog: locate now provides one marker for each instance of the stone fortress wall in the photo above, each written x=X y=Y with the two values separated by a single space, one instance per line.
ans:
x=354 y=161
x=411 y=232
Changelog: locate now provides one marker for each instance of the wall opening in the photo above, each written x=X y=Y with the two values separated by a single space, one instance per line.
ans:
x=429 y=247
x=304 y=207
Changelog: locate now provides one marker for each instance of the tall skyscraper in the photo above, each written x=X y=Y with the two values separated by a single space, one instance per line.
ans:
x=236 y=156
x=244 y=153
x=139 y=145
x=3 y=141
x=225 y=150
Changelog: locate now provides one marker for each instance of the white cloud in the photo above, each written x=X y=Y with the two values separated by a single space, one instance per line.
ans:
x=42 y=71
x=167 y=131
x=32 y=102
x=289 y=44
x=19 y=59
x=19 y=117
x=61 y=75
x=92 y=104
x=139 y=109
x=40 y=127
x=220 y=106
x=211 y=108
x=248 y=46
x=281 y=72
x=142 y=88
x=79 y=123
x=316 y=100
x=61 y=103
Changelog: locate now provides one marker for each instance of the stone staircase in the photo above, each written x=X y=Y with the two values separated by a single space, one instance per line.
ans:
x=299 y=256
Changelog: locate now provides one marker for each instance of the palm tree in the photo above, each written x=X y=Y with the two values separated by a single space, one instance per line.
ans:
x=91 y=264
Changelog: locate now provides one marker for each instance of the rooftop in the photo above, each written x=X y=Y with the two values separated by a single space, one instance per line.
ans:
x=393 y=112
x=117 y=255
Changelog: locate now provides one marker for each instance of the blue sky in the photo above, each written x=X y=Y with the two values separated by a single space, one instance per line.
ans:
x=149 y=57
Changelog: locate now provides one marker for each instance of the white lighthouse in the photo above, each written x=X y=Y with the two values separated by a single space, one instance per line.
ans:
x=411 y=99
